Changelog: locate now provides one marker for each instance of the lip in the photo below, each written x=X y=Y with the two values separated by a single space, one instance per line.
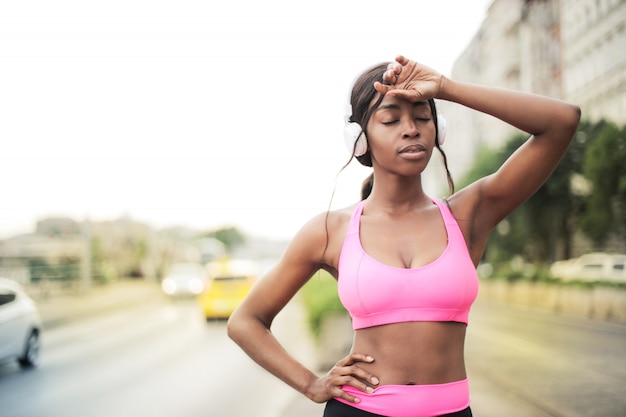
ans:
x=413 y=152
x=413 y=148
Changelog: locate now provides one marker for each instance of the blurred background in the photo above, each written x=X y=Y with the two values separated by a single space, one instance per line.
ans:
x=158 y=156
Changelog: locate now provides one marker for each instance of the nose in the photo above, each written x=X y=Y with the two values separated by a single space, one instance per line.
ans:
x=410 y=128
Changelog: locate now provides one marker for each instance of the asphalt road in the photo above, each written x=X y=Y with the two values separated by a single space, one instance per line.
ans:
x=561 y=366
x=158 y=358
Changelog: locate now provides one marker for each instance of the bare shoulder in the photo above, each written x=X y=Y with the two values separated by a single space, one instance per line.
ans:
x=463 y=204
x=330 y=221
x=321 y=238
x=316 y=245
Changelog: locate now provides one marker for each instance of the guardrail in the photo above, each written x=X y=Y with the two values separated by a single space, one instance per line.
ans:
x=46 y=280
x=595 y=302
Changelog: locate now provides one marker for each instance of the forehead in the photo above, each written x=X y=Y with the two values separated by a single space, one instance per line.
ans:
x=395 y=103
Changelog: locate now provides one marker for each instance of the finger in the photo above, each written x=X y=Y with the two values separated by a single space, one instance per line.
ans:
x=400 y=59
x=391 y=76
x=348 y=369
x=408 y=95
x=354 y=358
x=391 y=90
x=394 y=68
x=360 y=386
x=353 y=383
x=359 y=377
x=348 y=397
x=340 y=393
x=382 y=88
x=393 y=72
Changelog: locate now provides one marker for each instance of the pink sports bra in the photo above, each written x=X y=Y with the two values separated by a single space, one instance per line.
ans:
x=375 y=294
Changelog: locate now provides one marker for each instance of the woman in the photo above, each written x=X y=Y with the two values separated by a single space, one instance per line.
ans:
x=405 y=262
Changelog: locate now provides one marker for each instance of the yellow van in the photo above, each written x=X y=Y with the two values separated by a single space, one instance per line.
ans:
x=229 y=281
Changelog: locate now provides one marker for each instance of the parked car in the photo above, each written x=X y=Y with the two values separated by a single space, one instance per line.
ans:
x=229 y=282
x=594 y=266
x=184 y=280
x=20 y=325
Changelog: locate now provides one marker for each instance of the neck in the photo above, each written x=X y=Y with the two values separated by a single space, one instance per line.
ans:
x=398 y=193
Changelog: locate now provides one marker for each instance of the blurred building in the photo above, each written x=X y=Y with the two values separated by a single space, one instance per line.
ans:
x=57 y=226
x=120 y=248
x=569 y=49
x=27 y=256
x=594 y=57
x=57 y=248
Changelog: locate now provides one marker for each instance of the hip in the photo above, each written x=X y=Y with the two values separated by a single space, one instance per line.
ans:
x=412 y=400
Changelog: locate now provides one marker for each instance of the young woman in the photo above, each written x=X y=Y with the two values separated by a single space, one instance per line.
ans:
x=405 y=262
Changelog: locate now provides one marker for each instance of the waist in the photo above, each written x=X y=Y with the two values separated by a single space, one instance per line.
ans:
x=413 y=353
x=412 y=400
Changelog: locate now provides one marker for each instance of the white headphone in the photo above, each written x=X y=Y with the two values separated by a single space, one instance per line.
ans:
x=356 y=141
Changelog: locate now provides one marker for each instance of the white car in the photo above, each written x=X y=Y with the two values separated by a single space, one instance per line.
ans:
x=20 y=325
x=594 y=266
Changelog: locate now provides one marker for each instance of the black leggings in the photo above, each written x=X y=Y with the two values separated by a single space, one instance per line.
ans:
x=336 y=408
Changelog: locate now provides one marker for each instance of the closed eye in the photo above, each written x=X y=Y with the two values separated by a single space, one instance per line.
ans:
x=390 y=122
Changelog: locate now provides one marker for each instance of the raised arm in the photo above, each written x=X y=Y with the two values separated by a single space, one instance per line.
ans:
x=550 y=123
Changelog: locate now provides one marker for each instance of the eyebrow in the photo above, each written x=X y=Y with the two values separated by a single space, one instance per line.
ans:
x=393 y=106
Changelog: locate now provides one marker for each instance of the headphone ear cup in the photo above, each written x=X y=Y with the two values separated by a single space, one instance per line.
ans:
x=355 y=138
x=441 y=129
x=361 y=145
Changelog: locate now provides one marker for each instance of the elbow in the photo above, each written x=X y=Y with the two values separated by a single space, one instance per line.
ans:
x=578 y=112
x=235 y=328
x=565 y=125
x=241 y=326
x=573 y=118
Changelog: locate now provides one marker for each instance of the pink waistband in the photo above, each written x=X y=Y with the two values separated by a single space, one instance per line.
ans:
x=412 y=400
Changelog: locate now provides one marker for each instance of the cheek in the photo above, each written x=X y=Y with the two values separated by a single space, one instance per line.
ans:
x=431 y=131
x=379 y=139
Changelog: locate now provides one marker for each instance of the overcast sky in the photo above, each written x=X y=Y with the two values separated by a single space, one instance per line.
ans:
x=196 y=113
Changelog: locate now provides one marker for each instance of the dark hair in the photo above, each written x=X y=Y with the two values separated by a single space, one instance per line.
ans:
x=363 y=93
x=366 y=186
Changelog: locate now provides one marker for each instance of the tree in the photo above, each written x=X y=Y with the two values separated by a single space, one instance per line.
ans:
x=605 y=167
x=556 y=207
x=229 y=236
x=586 y=191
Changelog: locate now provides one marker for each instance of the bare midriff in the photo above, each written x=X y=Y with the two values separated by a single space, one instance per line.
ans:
x=416 y=353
